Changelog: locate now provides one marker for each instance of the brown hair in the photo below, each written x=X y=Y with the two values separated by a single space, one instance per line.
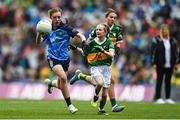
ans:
x=53 y=10
x=110 y=10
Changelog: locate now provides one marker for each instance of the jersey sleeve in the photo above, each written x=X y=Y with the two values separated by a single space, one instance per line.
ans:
x=111 y=45
x=119 y=34
x=71 y=31
x=93 y=33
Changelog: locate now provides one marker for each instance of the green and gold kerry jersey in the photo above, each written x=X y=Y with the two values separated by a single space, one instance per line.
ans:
x=97 y=58
x=115 y=33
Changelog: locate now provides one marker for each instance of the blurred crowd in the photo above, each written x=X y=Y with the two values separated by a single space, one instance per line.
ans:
x=22 y=60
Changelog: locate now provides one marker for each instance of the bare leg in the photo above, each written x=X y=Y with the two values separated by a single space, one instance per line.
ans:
x=99 y=85
x=90 y=80
x=62 y=80
x=56 y=84
x=81 y=76
x=62 y=83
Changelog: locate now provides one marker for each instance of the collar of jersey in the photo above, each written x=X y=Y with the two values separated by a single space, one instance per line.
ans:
x=111 y=27
x=100 y=43
x=61 y=25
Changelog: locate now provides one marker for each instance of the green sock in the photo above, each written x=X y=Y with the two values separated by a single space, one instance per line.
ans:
x=113 y=102
x=82 y=76
x=102 y=104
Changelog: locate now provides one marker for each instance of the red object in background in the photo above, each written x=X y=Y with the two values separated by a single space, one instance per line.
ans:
x=153 y=31
x=122 y=45
x=168 y=21
x=3 y=14
x=3 y=11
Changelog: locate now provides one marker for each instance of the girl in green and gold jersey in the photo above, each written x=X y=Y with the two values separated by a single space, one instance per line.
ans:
x=115 y=35
x=99 y=53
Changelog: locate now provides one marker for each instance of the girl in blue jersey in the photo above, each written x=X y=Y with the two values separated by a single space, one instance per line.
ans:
x=57 y=42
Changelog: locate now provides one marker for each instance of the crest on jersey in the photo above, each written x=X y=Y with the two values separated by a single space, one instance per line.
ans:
x=60 y=33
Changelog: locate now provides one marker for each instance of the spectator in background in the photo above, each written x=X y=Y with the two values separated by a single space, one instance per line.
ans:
x=164 y=57
x=57 y=52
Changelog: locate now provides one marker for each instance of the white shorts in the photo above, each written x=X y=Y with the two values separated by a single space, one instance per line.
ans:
x=104 y=71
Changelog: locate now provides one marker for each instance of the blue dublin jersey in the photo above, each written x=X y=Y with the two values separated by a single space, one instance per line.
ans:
x=58 y=41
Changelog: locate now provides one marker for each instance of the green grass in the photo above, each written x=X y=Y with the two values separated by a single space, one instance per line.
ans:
x=54 y=109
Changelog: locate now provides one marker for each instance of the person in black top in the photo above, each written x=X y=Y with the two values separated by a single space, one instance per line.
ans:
x=164 y=54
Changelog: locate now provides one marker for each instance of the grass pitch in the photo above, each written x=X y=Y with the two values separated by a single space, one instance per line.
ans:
x=56 y=109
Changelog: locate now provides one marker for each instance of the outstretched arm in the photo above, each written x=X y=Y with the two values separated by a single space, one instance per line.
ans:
x=81 y=36
x=153 y=51
x=74 y=47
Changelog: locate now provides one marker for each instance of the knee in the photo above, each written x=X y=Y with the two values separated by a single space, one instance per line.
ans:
x=112 y=81
x=58 y=85
x=100 y=84
x=63 y=79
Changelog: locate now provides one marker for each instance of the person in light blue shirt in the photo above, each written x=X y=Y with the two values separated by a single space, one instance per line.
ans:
x=57 y=42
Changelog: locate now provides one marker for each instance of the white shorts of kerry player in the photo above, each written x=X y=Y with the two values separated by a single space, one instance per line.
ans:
x=104 y=71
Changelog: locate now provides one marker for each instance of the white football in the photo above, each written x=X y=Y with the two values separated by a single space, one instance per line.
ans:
x=43 y=27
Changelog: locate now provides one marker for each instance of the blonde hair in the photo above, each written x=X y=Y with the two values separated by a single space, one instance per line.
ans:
x=106 y=28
